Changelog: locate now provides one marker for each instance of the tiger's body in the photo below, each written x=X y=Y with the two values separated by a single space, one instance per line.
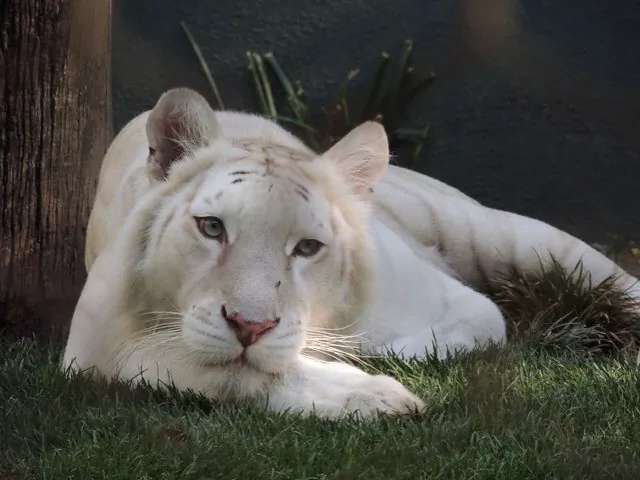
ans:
x=401 y=274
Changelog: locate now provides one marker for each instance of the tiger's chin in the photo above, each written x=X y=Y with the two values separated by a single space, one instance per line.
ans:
x=248 y=361
x=240 y=362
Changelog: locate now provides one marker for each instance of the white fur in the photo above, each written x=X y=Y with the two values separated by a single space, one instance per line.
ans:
x=397 y=272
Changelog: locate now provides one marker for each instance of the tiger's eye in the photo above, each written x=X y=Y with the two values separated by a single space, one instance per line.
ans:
x=307 y=247
x=211 y=227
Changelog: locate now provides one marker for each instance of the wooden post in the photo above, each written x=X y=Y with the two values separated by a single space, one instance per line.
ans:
x=55 y=126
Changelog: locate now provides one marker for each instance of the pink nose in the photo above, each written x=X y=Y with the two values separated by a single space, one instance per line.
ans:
x=248 y=332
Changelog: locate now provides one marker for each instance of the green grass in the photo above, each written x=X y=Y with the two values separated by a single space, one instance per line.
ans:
x=515 y=413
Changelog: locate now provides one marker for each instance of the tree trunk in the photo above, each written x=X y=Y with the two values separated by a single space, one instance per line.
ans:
x=55 y=125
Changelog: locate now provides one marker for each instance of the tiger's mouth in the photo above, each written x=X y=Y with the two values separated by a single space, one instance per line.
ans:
x=241 y=362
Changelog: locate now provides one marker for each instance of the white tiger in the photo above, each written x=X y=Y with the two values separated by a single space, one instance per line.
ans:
x=221 y=251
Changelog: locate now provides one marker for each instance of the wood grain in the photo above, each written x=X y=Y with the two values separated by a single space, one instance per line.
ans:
x=55 y=126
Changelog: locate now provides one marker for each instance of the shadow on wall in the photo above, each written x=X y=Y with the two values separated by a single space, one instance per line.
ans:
x=536 y=102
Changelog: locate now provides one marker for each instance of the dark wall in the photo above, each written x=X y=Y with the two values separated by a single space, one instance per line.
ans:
x=536 y=101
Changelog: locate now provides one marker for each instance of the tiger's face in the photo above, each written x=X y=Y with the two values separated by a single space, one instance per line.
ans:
x=249 y=255
x=257 y=248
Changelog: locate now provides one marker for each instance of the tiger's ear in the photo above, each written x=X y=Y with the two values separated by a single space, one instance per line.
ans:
x=362 y=157
x=181 y=122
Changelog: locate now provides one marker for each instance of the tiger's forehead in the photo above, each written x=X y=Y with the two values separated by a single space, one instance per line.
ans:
x=272 y=151
x=269 y=170
x=276 y=160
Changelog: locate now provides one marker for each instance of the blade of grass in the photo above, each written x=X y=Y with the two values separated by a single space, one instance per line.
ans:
x=409 y=132
x=345 y=105
x=375 y=94
x=340 y=106
x=397 y=78
x=203 y=64
x=415 y=136
x=294 y=98
x=299 y=108
x=423 y=138
x=297 y=123
x=419 y=87
x=271 y=104
x=257 y=84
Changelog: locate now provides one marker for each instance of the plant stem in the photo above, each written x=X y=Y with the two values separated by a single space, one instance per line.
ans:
x=273 y=113
x=203 y=64
x=257 y=84
x=397 y=78
x=373 y=100
x=297 y=123
x=423 y=137
x=298 y=107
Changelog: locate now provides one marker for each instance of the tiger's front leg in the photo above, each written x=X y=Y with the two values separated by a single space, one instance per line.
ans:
x=334 y=389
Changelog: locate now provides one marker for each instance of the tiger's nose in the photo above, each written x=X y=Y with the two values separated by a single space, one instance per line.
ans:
x=248 y=332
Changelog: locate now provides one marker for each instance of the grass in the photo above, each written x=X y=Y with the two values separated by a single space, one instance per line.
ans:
x=390 y=90
x=556 y=403
x=561 y=309
x=513 y=413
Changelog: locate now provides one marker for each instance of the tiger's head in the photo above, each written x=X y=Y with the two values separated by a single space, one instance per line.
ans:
x=254 y=239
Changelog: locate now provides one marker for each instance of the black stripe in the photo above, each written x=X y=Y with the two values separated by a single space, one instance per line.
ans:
x=165 y=224
x=484 y=278
x=435 y=221
x=145 y=234
x=300 y=186
x=269 y=166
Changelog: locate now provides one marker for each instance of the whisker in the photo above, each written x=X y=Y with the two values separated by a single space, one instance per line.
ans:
x=144 y=344
x=207 y=345
x=279 y=347
x=159 y=329
x=162 y=325
x=331 y=334
x=329 y=329
x=211 y=335
x=288 y=335
x=334 y=341
x=345 y=327
x=172 y=304
x=161 y=312
x=154 y=342
x=327 y=348
x=186 y=358
x=342 y=357
x=354 y=345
